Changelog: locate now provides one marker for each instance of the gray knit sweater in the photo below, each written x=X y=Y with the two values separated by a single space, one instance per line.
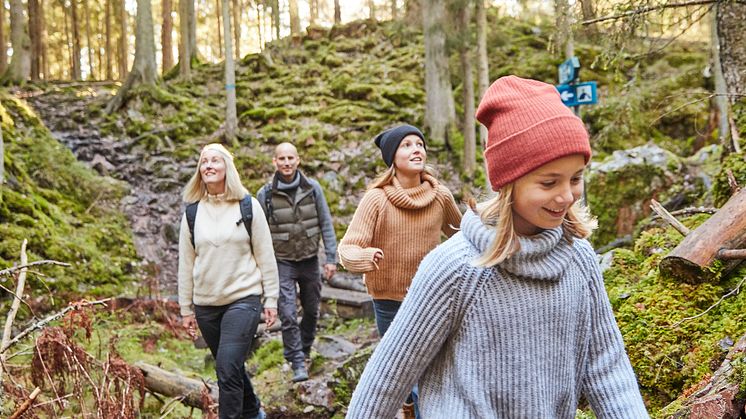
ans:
x=522 y=340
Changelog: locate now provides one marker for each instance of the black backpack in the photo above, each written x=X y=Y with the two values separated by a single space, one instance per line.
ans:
x=247 y=214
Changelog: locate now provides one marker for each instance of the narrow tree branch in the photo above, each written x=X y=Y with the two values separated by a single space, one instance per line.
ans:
x=28 y=265
x=664 y=214
x=7 y=330
x=732 y=254
x=732 y=182
x=732 y=292
x=648 y=9
x=26 y=404
x=51 y=318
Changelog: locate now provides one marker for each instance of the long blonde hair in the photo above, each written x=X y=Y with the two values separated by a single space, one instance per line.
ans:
x=387 y=176
x=498 y=213
x=195 y=190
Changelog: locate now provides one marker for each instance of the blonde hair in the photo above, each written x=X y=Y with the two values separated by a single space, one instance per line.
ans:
x=386 y=177
x=195 y=190
x=498 y=213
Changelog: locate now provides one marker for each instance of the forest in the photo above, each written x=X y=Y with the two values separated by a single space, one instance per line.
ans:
x=105 y=106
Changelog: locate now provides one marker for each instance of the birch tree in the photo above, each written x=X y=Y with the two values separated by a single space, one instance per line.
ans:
x=483 y=76
x=470 y=146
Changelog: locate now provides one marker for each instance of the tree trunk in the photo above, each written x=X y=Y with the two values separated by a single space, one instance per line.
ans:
x=721 y=90
x=260 y=26
x=19 y=69
x=184 y=49
x=564 y=41
x=192 y=15
x=109 y=66
x=3 y=47
x=231 y=120
x=87 y=14
x=167 y=49
x=76 y=73
x=237 y=9
x=34 y=32
x=276 y=17
x=371 y=10
x=589 y=12
x=731 y=23
x=483 y=74
x=2 y=158
x=43 y=42
x=144 y=69
x=294 y=17
x=188 y=390
x=394 y=10
x=694 y=259
x=337 y=13
x=218 y=14
x=439 y=108
x=68 y=45
x=413 y=11
x=313 y=11
x=470 y=146
x=123 y=47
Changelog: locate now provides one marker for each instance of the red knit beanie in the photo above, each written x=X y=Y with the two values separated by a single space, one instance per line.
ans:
x=528 y=126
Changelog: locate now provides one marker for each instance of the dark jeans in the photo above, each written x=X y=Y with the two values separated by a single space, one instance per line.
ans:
x=385 y=311
x=298 y=339
x=228 y=331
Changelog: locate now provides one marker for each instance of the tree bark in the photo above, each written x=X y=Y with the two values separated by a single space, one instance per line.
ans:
x=173 y=385
x=413 y=11
x=3 y=47
x=34 y=30
x=87 y=14
x=231 y=120
x=2 y=159
x=470 y=146
x=483 y=75
x=394 y=10
x=107 y=17
x=167 y=52
x=694 y=259
x=721 y=90
x=564 y=39
x=294 y=17
x=276 y=17
x=218 y=15
x=184 y=49
x=337 y=13
x=19 y=69
x=144 y=69
x=371 y=10
x=74 y=25
x=731 y=26
x=439 y=107
x=237 y=10
x=313 y=11
x=43 y=42
x=123 y=47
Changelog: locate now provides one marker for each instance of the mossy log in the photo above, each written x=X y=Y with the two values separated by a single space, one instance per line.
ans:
x=170 y=384
x=719 y=397
x=705 y=253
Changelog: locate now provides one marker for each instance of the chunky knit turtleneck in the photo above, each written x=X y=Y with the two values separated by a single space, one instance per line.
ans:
x=402 y=223
x=525 y=339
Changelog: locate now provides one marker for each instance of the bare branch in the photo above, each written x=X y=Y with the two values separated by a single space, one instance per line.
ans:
x=649 y=9
x=51 y=318
x=732 y=182
x=28 y=265
x=26 y=404
x=7 y=330
x=732 y=254
x=22 y=300
x=664 y=214
x=732 y=292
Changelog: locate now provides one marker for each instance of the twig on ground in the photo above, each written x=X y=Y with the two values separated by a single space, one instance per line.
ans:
x=732 y=292
x=732 y=182
x=664 y=214
x=13 y=307
x=28 y=265
x=26 y=404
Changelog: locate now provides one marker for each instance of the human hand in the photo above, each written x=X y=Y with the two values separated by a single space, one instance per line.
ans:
x=189 y=323
x=270 y=315
x=378 y=256
x=329 y=270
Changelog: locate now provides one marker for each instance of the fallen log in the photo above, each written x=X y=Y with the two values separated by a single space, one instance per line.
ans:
x=169 y=384
x=720 y=396
x=706 y=252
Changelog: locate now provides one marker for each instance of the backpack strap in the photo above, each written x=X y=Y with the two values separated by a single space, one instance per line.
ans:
x=268 y=203
x=247 y=215
x=191 y=215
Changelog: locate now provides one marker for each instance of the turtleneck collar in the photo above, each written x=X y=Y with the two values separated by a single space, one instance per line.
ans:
x=543 y=256
x=283 y=186
x=215 y=198
x=412 y=198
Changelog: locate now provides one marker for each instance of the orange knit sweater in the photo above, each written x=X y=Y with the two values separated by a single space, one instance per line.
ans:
x=405 y=225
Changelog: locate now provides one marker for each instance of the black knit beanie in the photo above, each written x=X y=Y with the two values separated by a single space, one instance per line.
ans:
x=388 y=141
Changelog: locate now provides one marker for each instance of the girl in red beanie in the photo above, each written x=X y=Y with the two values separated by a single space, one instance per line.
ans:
x=398 y=221
x=509 y=318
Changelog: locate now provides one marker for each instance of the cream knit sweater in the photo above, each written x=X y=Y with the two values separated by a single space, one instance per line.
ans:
x=404 y=224
x=223 y=268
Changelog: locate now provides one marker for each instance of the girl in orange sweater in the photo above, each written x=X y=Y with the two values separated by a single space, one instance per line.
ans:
x=398 y=221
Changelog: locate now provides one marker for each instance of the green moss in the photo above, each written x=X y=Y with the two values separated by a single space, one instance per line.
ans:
x=267 y=356
x=721 y=190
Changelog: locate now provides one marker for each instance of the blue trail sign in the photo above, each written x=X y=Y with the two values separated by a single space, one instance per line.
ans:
x=578 y=94
x=569 y=70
